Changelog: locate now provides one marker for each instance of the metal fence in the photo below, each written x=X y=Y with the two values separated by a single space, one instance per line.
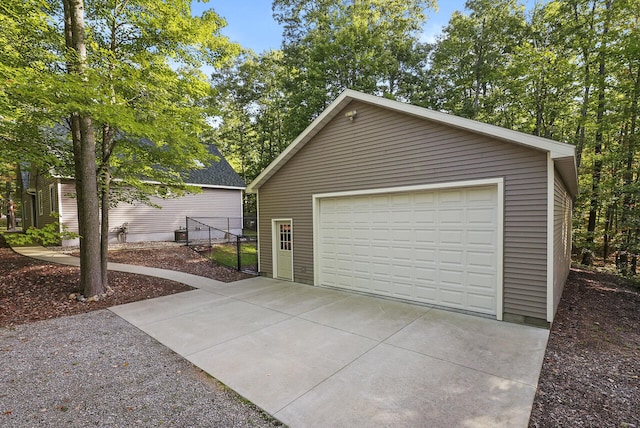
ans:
x=228 y=241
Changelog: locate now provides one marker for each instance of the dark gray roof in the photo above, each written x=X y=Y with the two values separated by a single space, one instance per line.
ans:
x=216 y=174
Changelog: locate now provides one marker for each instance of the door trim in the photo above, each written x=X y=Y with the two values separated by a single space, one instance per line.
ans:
x=274 y=245
x=497 y=181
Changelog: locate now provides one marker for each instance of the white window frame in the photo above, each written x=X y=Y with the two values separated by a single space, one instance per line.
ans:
x=40 y=205
x=52 y=199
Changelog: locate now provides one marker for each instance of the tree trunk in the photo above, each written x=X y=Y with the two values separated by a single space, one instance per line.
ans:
x=607 y=232
x=84 y=146
x=599 y=138
x=107 y=139
x=630 y=196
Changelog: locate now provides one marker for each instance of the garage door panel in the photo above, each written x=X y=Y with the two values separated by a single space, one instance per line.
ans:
x=401 y=236
x=478 y=302
x=426 y=236
x=427 y=294
x=361 y=268
x=425 y=256
x=401 y=272
x=482 y=237
x=453 y=298
x=451 y=237
x=437 y=247
x=450 y=196
x=361 y=234
x=451 y=277
x=480 y=280
x=452 y=257
x=481 y=259
x=451 y=217
x=425 y=217
x=485 y=194
x=481 y=216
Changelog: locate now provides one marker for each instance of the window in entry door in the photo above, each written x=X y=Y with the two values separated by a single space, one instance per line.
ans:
x=285 y=237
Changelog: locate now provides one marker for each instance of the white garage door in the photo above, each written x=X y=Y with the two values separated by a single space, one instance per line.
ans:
x=438 y=247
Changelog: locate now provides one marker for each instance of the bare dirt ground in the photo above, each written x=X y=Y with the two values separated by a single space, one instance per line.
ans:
x=591 y=371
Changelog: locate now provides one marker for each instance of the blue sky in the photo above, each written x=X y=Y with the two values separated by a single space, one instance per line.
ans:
x=250 y=22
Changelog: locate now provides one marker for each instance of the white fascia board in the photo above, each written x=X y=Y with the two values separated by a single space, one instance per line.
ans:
x=215 y=186
x=556 y=148
x=204 y=186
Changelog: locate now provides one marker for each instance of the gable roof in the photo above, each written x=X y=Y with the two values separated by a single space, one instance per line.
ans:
x=563 y=154
x=217 y=174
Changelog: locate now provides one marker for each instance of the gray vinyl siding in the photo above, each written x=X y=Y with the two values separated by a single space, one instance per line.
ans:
x=147 y=223
x=562 y=208
x=382 y=149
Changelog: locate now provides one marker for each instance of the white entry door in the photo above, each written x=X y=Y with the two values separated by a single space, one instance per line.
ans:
x=283 y=250
x=432 y=246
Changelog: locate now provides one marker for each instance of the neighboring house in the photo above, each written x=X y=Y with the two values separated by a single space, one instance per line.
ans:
x=221 y=196
x=382 y=197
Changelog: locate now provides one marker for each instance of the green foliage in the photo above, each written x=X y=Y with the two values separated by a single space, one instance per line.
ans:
x=567 y=70
x=126 y=71
x=331 y=45
x=51 y=234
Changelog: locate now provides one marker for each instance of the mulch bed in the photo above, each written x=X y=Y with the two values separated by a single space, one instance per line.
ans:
x=591 y=371
x=31 y=290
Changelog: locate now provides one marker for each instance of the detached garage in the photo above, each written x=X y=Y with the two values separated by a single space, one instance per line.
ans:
x=391 y=199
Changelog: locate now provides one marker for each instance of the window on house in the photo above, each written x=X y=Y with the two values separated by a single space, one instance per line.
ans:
x=52 y=199
x=40 y=210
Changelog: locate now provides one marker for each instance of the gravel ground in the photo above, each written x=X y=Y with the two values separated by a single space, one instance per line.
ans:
x=95 y=369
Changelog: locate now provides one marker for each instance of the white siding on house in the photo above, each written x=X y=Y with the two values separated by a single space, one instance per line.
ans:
x=147 y=223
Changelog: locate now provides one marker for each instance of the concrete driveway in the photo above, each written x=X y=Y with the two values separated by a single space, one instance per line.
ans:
x=314 y=357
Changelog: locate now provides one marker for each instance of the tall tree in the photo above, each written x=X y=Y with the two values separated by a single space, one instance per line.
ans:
x=471 y=57
x=331 y=45
x=84 y=154
x=127 y=79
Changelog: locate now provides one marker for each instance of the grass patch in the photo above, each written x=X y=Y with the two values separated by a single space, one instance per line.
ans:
x=226 y=255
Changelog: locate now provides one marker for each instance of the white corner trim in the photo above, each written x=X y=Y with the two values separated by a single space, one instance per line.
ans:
x=500 y=252
x=550 y=230
x=258 y=228
x=315 y=219
x=498 y=182
x=274 y=246
x=59 y=200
